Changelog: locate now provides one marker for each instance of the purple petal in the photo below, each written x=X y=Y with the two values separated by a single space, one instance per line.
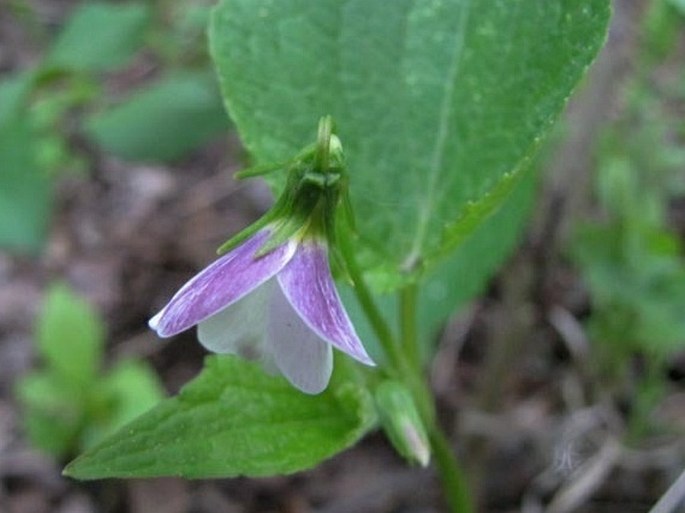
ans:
x=221 y=284
x=307 y=283
x=299 y=353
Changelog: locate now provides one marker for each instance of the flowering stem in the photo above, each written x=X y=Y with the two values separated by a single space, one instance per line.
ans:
x=404 y=362
x=378 y=324
x=398 y=364
x=408 y=330
x=454 y=482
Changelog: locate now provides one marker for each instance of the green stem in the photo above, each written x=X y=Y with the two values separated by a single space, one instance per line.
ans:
x=378 y=324
x=406 y=366
x=408 y=328
x=398 y=365
x=454 y=483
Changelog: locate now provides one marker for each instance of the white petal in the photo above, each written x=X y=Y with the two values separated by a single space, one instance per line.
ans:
x=301 y=355
x=239 y=329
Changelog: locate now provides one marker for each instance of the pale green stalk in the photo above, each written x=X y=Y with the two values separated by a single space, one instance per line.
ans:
x=404 y=363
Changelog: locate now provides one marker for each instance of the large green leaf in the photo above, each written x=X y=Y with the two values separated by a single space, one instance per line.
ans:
x=163 y=121
x=233 y=420
x=460 y=276
x=465 y=273
x=100 y=36
x=437 y=102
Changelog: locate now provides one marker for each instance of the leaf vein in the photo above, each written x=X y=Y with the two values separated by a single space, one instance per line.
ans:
x=442 y=134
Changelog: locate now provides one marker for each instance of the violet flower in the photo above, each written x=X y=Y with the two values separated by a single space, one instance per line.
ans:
x=272 y=297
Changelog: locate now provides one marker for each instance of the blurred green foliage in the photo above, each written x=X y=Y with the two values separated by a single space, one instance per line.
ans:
x=100 y=36
x=631 y=259
x=660 y=27
x=162 y=121
x=71 y=94
x=635 y=270
x=24 y=186
x=70 y=402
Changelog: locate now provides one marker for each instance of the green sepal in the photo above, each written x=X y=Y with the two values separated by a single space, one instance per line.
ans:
x=285 y=226
x=245 y=234
x=342 y=228
x=265 y=169
x=308 y=206
x=282 y=233
x=348 y=213
x=261 y=170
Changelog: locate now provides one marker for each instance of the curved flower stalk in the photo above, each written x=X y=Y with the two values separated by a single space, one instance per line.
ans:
x=272 y=296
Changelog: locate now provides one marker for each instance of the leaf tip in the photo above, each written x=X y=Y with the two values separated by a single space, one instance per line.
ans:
x=78 y=469
x=71 y=470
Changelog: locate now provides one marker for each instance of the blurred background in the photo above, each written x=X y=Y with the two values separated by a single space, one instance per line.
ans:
x=562 y=385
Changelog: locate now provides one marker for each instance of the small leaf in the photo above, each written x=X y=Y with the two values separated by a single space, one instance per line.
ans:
x=100 y=36
x=25 y=190
x=14 y=92
x=163 y=121
x=232 y=420
x=52 y=412
x=70 y=336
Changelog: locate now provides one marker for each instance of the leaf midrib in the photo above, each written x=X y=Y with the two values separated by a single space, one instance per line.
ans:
x=436 y=163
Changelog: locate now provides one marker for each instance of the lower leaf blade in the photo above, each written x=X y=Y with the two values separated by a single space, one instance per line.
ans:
x=232 y=420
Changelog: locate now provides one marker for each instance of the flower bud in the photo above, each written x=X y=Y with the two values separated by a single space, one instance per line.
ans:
x=401 y=422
